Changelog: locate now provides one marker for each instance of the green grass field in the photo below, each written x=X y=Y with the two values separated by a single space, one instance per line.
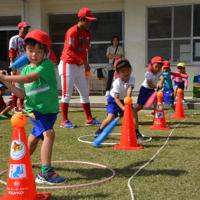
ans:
x=172 y=175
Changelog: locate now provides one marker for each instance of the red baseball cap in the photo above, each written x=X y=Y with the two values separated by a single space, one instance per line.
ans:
x=86 y=13
x=23 y=25
x=39 y=36
x=157 y=59
x=166 y=64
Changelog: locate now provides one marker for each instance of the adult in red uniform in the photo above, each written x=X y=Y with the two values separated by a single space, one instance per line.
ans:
x=73 y=65
x=17 y=49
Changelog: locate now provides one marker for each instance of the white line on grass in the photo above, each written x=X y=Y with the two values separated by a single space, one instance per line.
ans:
x=152 y=158
x=81 y=139
x=55 y=187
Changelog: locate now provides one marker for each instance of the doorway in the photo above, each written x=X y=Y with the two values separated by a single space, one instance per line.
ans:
x=4 y=45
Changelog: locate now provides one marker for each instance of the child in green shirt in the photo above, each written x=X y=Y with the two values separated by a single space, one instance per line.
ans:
x=38 y=85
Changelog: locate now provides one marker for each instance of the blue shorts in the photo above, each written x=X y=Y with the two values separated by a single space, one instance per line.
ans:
x=168 y=96
x=144 y=95
x=179 y=84
x=42 y=123
x=113 y=108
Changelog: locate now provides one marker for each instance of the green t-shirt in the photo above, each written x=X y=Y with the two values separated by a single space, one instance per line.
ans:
x=42 y=94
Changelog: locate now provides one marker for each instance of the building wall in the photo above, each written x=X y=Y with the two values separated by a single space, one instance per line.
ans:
x=135 y=25
x=135 y=35
x=37 y=12
x=34 y=13
x=10 y=7
x=72 y=6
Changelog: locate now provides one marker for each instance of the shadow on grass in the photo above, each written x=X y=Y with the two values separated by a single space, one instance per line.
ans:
x=129 y=170
x=88 y=174
x=184 y=126
x=164 y=172
x=146 y=123
x=98 y=174
x=196 y=114
x=156 y=146
x=158 y=138
x=184 y=123
x=77 y=197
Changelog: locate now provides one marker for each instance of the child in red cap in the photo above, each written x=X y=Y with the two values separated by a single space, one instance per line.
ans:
x=152 y=76
x=38 y=85
x=166 y=85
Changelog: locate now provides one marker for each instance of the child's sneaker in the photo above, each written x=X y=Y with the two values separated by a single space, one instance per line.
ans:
x=184 y=101
x=14 y=109
x=97 y=133
x=141 y=138
x=68 y=124
x=93 y=122
x=50 y=177
x=107 y=93
x=18 y=110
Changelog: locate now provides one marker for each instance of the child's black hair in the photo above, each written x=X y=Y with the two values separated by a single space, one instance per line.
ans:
x=82 y=19
x=123 y=64
x=32 y=42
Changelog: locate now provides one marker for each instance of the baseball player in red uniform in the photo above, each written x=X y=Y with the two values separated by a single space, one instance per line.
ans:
x=16 y=49
x=16 y=43
x=73 y=65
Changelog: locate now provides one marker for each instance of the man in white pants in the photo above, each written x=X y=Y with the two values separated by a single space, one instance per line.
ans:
x=73 y=65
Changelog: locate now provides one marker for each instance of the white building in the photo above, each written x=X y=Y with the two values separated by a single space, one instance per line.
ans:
x=146 y=28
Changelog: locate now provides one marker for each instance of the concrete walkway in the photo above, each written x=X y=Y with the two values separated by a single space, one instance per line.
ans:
x=100 y=101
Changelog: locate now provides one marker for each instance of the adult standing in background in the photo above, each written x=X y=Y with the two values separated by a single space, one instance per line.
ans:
x=114 y=52
x=17 y=49
x=73 y=65
x=16 y=43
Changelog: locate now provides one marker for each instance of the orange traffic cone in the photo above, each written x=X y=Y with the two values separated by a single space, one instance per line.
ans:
x=128 y=140
x=20 y=179
x=179 y=110
x=159 y=116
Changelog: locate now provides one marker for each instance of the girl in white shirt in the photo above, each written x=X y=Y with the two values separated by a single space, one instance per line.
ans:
x=122 y=87
x=152 y=76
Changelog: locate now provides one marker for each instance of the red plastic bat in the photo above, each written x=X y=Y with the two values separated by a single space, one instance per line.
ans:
x=150 y=100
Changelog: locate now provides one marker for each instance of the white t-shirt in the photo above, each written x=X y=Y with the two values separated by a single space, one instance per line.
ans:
x=111 y=50
x=149 y=76
x=120 y=87
x=17 y=43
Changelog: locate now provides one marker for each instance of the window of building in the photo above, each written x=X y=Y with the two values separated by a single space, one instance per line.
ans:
x=102 y=30
x=8 y=21
x=174 y=33
x=8 y=28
